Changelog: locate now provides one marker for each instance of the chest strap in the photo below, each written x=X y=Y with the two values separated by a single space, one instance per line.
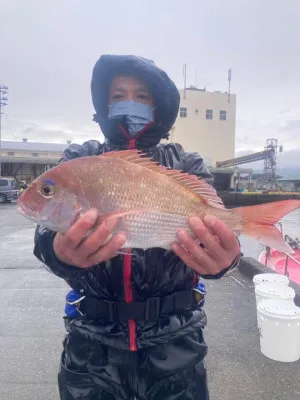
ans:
x=147 y=310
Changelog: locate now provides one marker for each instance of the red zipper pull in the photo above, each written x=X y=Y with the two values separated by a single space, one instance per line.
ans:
x=131 y=144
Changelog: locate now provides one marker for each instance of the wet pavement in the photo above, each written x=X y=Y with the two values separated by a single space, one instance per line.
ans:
x=32 y=330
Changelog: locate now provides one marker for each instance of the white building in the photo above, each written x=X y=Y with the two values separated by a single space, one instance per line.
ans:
x=206 y=124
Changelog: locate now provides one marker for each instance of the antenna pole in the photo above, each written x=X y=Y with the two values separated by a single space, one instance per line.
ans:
x=184 y=80
x=229 y=84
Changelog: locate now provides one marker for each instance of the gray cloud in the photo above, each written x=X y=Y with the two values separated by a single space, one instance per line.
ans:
x=48 y=50
x=291 y=126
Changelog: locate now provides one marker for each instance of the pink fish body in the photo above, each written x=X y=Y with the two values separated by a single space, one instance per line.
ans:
x=152 y=202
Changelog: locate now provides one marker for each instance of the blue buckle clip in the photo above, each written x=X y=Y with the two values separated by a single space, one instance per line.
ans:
x=73 y=300
x=199 y=293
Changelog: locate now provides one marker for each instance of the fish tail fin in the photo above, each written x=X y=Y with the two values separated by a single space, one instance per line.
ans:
x=258 y=222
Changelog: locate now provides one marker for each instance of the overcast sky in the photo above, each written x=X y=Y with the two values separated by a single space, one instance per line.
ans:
x=48 y=50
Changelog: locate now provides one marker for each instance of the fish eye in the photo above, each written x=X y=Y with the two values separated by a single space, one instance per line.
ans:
x=47 y=189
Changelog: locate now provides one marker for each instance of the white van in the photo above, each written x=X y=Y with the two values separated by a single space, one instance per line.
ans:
x=8 y=190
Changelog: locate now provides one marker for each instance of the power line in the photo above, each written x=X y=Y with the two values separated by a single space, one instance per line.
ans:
x=3 y=103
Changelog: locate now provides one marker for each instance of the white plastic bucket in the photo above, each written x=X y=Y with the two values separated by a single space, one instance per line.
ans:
x=280 y=330
x=273 y=291
x=278 y=279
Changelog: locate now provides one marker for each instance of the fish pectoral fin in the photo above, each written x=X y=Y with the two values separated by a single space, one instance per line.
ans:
x=124 y=253
x=119 y=214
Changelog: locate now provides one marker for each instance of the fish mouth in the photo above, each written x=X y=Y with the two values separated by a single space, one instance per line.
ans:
x=35 y=216
x=26 y=211
x=44 y=217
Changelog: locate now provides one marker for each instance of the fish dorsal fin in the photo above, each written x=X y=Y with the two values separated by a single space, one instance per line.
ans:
x=192 y=182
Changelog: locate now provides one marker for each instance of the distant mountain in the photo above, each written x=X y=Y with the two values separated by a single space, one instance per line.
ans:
x=284 y=172
x=288 y=163
x=288 y=171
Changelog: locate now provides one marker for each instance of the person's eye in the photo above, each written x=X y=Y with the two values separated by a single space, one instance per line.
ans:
x=117 y=96
x=143 y=97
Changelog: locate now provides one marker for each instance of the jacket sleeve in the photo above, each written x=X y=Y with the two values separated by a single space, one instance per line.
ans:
x=43 y=239
x=193 y=164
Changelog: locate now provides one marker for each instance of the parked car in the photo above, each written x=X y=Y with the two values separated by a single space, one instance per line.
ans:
x=8 y=190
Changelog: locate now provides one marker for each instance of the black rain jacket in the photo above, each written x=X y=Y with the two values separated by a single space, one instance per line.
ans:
x=143 y=274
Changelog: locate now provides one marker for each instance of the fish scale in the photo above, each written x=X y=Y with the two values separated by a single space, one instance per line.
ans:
x=148 y=229
x=141 y=230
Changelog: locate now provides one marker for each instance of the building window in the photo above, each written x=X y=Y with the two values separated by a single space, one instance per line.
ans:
x=183 y=112
x=209 y=114
x=10 y=153
x=223 y=115
x=35 y=154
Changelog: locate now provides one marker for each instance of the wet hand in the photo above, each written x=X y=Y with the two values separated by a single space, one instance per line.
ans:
x=221 y=246
x=77 y=247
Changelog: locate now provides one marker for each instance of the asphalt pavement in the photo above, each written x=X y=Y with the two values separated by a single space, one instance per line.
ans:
x=32 y=330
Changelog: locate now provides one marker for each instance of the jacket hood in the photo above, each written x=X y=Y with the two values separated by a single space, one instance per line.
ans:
x=165 y=94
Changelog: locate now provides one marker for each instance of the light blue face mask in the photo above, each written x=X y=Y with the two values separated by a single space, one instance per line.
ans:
x=137 y=115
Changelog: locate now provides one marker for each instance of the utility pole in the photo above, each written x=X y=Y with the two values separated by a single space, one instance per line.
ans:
x=3 y=103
